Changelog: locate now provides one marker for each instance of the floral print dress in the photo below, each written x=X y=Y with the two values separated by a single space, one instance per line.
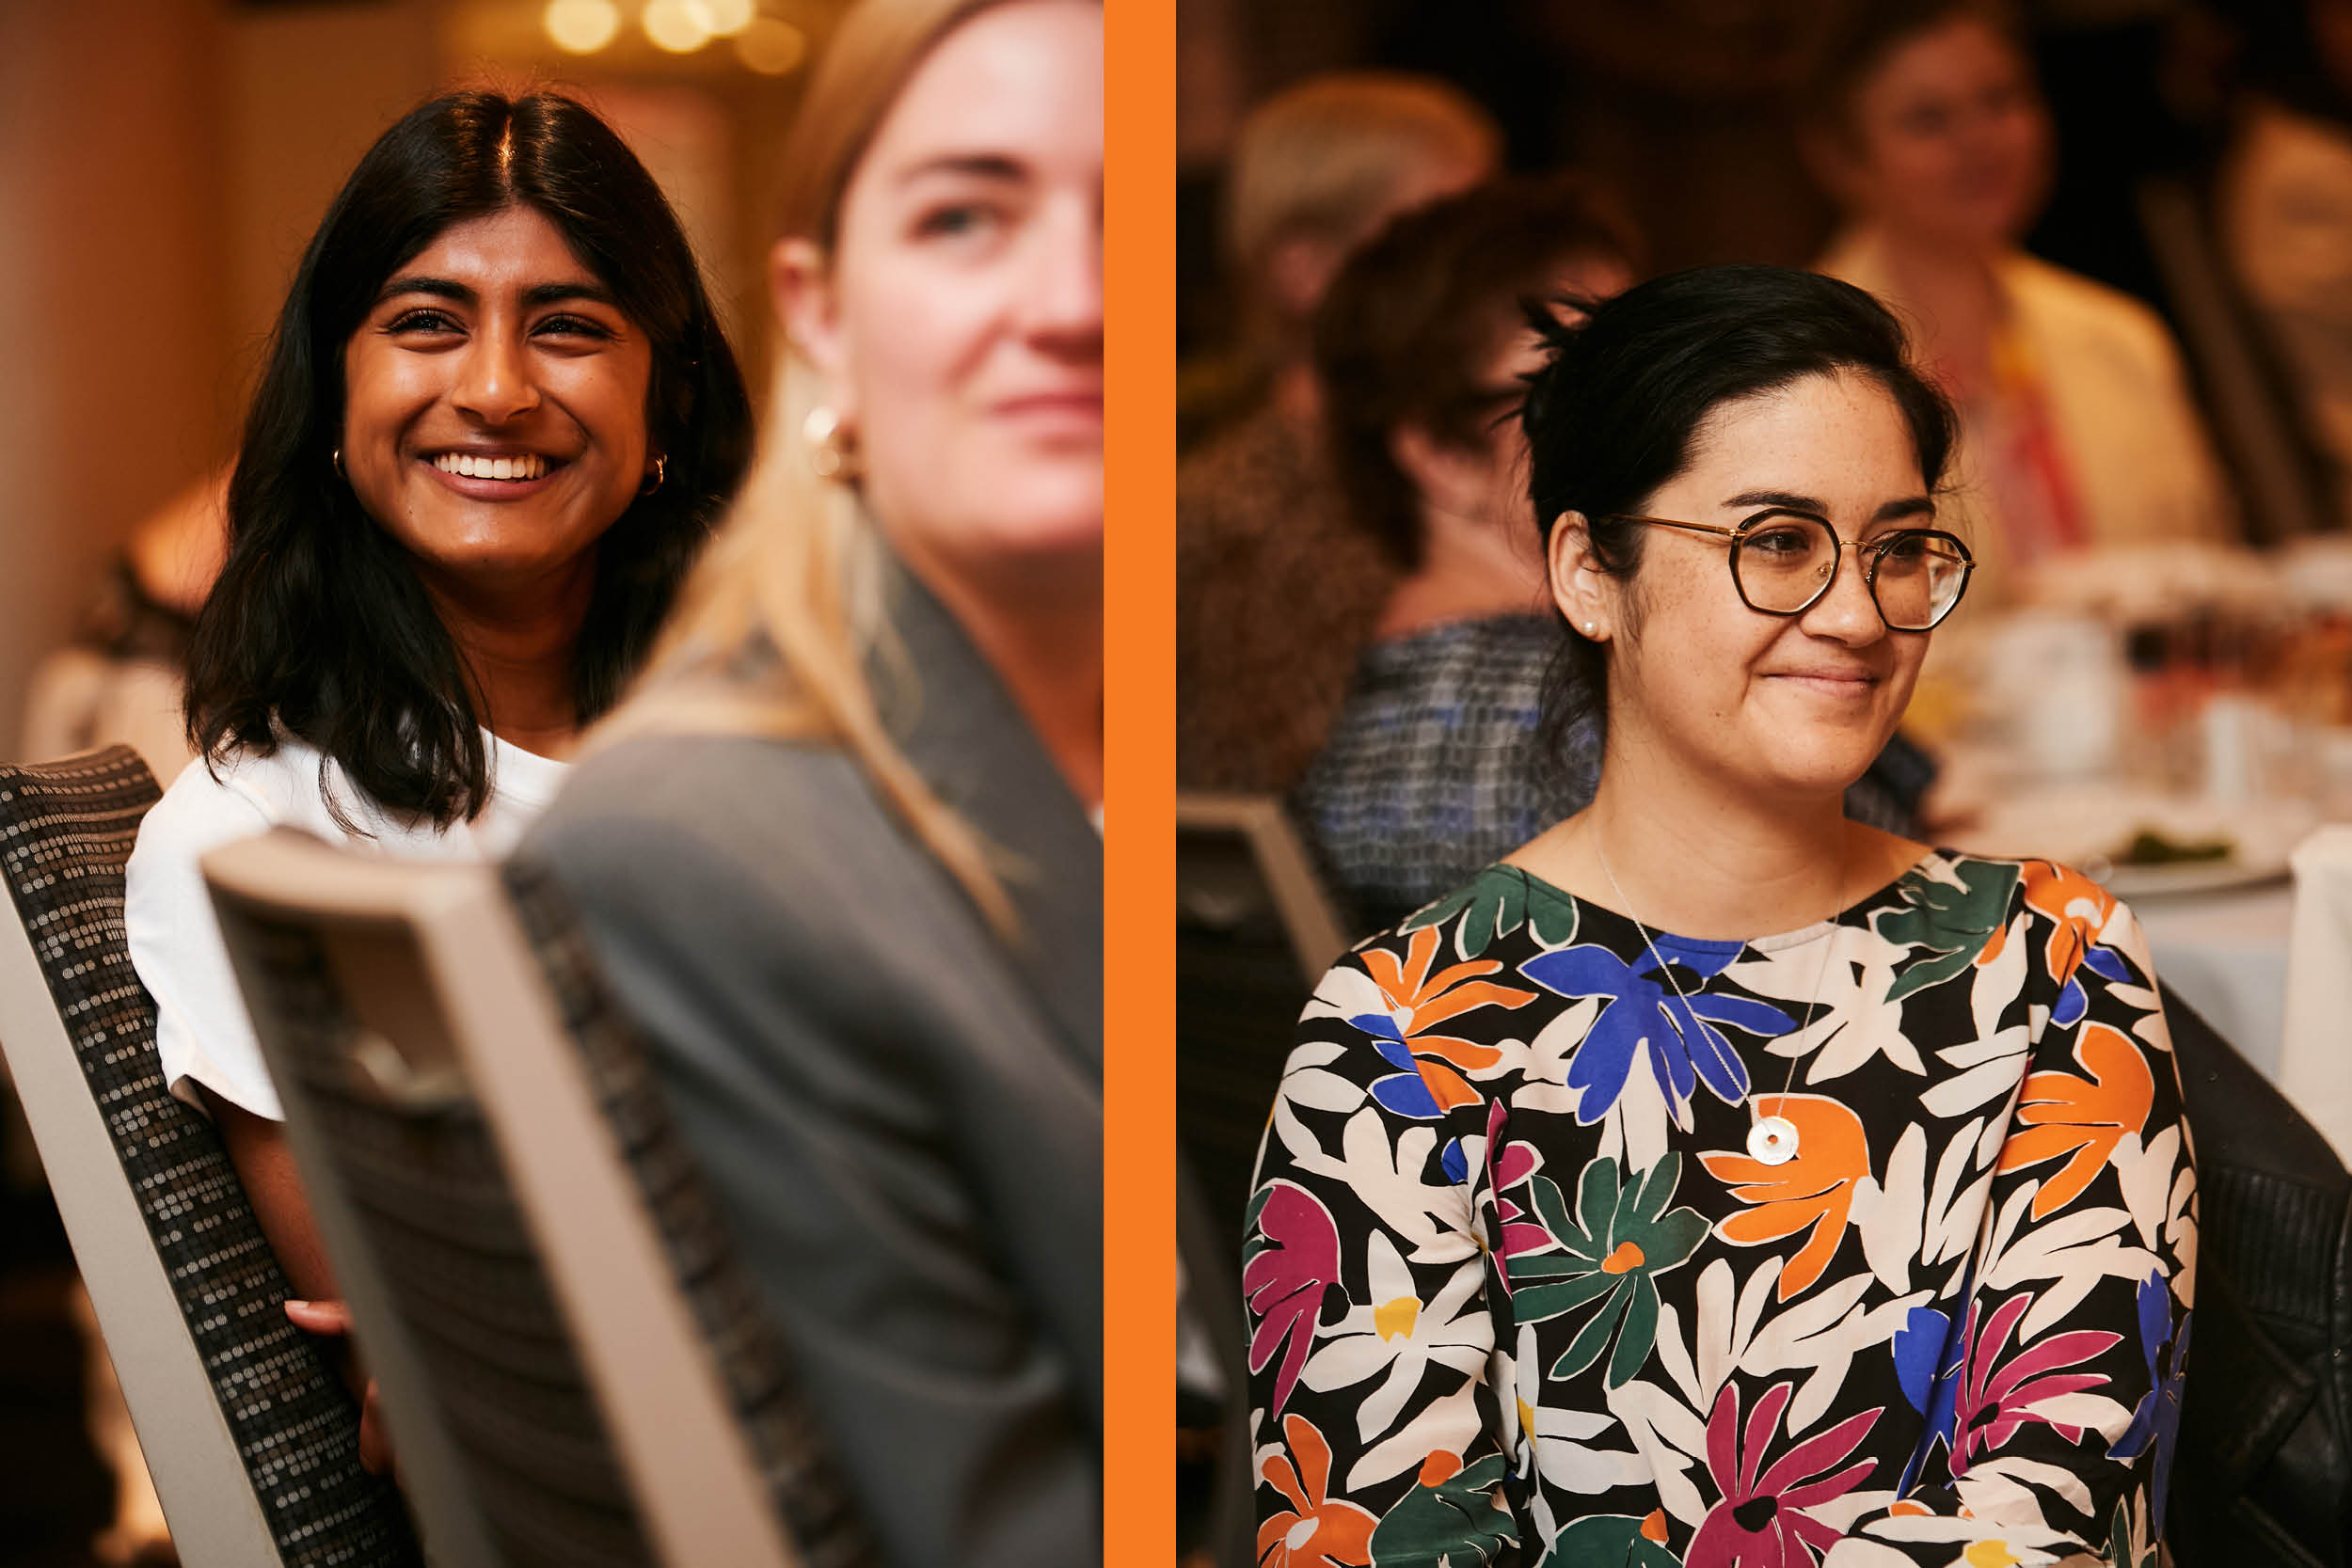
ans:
x=1518 y=1292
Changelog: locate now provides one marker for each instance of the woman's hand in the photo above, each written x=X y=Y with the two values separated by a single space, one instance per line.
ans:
x=332 y=1318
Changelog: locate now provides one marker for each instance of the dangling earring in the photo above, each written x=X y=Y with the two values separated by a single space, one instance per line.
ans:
x=832 y=453
x=660 y=472
x=339 y=465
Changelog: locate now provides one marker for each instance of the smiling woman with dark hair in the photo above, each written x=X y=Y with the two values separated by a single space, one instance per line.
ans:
x=1717 y=1181
x=497 y=421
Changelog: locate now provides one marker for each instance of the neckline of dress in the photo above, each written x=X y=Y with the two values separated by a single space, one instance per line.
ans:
x=1770 y=943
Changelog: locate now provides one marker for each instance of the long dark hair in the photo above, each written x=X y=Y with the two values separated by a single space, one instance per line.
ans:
x=319 y=626
x=1611 y=415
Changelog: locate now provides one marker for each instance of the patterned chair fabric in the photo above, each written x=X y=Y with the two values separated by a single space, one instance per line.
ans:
x=66 y=832
x=423 y=1178
x=785 y=1442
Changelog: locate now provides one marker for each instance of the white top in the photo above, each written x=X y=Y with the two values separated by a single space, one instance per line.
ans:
x=201 y=1029
x=2119 y=399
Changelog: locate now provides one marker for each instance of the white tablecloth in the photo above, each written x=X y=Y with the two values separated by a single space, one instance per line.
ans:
x=2226 y=955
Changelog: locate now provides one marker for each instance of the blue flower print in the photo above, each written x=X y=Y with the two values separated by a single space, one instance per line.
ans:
x=1927 y=1364
x=1403 y=1093
x=1642 y=1011
x=2072 y=999
x=2158 y=1418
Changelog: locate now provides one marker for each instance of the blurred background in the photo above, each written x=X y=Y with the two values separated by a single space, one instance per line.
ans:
x=162 y=164
x=2119 y=233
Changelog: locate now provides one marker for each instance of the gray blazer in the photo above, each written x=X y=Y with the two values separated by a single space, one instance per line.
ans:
x=902 y=1116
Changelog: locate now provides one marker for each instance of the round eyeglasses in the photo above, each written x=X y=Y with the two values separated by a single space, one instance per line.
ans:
x=1782 y=562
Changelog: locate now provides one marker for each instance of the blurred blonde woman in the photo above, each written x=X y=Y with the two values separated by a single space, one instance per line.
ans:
x=2077 y=428
x=841 y=853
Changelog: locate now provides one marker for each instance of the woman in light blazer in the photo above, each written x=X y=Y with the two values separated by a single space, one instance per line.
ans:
x=841 y=853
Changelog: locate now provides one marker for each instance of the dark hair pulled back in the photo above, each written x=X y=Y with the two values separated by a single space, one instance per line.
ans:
x=318 y=625
x=1611 y=415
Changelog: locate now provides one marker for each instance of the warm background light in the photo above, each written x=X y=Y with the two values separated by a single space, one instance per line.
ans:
x=772 y=46
x=724 y=18
x=582 y=26
x=675 y=26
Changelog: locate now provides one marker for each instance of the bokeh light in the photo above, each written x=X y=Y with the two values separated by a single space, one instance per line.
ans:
x=772 y=46
x=674 y=26
x=724 y=17
x=581 y=26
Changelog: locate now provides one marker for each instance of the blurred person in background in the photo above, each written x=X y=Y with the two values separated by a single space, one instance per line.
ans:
x=1595 y=1222
x=841 y=857
x=2284 y=205
x=1269 y=572
x=2077 y=427
x=1316 y=170
x=1431 y=768
x=124 y=677
x=497 y=421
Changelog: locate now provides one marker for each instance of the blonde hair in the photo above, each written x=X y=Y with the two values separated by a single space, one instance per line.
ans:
x=1325 y=158
x=774 y=628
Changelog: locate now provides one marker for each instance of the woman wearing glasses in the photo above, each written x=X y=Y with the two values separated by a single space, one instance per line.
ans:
x=1717 y=1180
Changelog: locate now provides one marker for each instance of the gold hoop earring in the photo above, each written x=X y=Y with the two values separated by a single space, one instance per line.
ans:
x=831 y=452
x=338 y=460
x=660 y=472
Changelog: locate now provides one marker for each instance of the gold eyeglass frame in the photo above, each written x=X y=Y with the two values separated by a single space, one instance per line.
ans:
x=1869 y=553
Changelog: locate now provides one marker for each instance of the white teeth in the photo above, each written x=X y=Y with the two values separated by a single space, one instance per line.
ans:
x=529 y=466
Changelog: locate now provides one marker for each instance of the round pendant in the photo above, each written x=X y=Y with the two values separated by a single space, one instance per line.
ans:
x=1773 y=1141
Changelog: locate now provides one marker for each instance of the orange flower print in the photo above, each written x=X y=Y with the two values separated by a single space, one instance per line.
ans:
x=1420 y=1001
x=1814 y=1188
x=1314 y=1530
x=2082 y=1118
x=2076 y=906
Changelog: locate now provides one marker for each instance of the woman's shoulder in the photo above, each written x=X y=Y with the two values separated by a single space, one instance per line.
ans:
x=1960 y=893
x=2065 y=306
x=732 y=807
x=237 y=792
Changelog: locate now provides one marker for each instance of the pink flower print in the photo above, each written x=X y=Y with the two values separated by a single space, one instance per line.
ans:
x=1292 y=1258
x=1995 y=1399
x=1507 y=1166
x=1761 y=1522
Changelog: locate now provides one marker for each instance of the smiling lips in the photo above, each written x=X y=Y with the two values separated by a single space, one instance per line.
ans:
x=518 y=465
x=1831 y=682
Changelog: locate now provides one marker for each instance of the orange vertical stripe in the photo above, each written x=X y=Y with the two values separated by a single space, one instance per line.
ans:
x=1139 y=861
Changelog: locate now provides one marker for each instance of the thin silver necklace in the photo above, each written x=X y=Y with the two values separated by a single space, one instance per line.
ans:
x=1771 y=1140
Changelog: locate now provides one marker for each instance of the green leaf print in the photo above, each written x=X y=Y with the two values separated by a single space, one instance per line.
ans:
x=1621 y=1236
x=1610 y=1541
x=1951 y=924
x=1497 y=902
x=1440 y=1522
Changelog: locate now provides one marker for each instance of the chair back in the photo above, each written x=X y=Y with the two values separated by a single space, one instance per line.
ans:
x=574 y=1369
x=1255 y=930
x=251 y=1440
x=2261 y=1477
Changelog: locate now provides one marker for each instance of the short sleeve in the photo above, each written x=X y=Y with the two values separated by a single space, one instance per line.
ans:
x=203 y=1032
x=2060 y=1388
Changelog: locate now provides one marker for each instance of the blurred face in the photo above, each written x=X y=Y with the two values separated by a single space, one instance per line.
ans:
x=1948 y=141
x=493 y=414
x=1778 y=706
x=1502 y=484
x=959 y=322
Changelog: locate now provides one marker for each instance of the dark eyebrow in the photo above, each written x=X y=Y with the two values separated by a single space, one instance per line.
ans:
x=440 y=287
x=537 y=294
x=1781 y=501
x=984 y=166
